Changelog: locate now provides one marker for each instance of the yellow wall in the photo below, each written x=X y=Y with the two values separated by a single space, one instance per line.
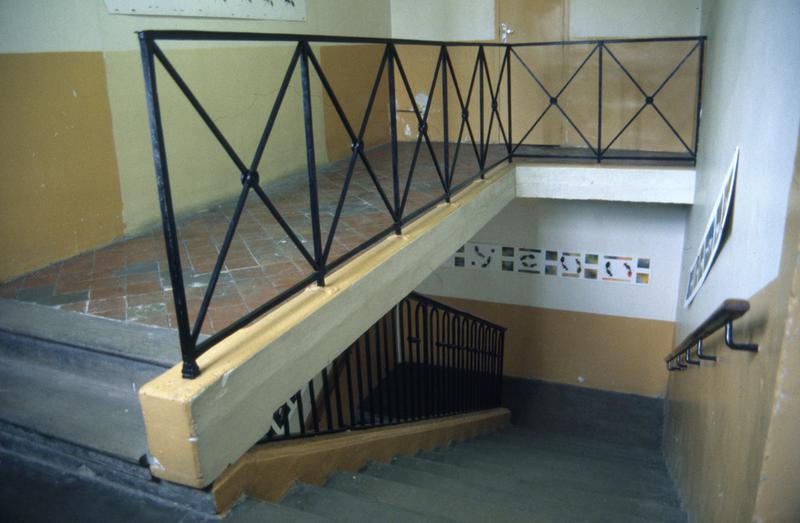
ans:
x=588 y=350
x=351 y=71
x=59 y=190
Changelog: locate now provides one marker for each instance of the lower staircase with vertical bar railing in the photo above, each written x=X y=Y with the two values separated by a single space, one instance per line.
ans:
x=422 y=360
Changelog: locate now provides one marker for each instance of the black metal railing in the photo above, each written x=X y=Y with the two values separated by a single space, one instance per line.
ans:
x=423 y=359
x=681 y=357
x=481 y=108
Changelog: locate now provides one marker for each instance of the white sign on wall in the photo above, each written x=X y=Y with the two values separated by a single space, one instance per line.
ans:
x=712 y=239
x=293 y=10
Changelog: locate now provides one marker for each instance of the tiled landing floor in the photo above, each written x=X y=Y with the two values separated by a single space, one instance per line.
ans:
x=129 y=279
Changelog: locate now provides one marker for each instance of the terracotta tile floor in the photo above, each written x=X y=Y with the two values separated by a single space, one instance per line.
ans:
x=129 y=279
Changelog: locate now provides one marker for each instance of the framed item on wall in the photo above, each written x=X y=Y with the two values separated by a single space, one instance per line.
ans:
x=294 y=10
x=716 y=228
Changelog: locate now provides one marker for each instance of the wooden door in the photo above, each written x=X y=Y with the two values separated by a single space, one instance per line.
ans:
x=534 y=21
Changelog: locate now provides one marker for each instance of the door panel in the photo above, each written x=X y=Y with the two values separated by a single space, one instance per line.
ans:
x=534 y=21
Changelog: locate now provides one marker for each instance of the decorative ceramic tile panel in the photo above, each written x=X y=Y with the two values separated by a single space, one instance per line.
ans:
x=572 y=264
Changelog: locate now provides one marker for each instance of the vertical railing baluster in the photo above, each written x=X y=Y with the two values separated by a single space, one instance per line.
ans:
x=360 y=381
x=389 y=383
x=408 y=360
x=509 y=141
x=419 y=329
x=313 y=401
x=699 y=98
x=370 y=391
x=349 y=370
x=398 y=224
x=600 y=46
x=326 y=397
x=445 y=125
x=301 y=415
x=379 y=384
x=172 y=244
x=338 y=394
x=311 y=162
x=481 y=65
x=500 y=376
x=285 y=418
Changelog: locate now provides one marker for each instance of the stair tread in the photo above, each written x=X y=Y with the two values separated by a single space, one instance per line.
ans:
x=536 y=476
x=128 y=340
x=544 y=494
x=575 y=451
x=337 y=505
x=74 y=408
x=519 y=434
x=253 y=510
x=532 y=456
x=422 y=500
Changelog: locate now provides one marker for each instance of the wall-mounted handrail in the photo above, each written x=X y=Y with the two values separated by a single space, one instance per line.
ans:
x=681 y=357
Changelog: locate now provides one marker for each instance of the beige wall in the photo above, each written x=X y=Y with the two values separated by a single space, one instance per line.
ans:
x=729 y=441
x=443 y=19
x=731 y=427
x=59 y=190
x=200 y=171
x=582 y=349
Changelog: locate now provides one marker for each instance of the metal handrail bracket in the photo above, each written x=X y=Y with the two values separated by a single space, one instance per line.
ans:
x=722 y=317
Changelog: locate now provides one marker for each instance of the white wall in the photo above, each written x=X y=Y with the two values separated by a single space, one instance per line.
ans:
x=443 y=19
x=633 y=18
x=587 y=226
x=752 y=77
x=85 y=25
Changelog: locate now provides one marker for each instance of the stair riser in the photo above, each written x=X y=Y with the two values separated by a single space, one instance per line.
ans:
x=112 y=369
x=83 y=463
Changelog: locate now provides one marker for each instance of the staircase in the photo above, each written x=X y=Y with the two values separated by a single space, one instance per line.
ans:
x=514 y=475
x=72 y=446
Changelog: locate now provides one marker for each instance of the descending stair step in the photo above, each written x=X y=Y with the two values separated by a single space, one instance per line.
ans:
x=66 y=462
x=71 y=407
x=111 y=368
x=540 y=493
x=535 y=503
x=142 y=342
x=584 y=448
x=536 y=457
x=424 y=501
x=600 y=483
x=252 y=510
x=587 y=440
x=338 y=505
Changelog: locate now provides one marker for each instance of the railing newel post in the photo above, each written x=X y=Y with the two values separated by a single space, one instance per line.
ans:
x=509 y=140
x=190 y=368
x=600 y=46
x=398 y=223
x=699 y=111
x=481 y=64
x=445 y=125
x=311 y=163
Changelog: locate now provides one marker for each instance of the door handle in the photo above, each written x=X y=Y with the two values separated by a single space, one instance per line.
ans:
x=505 y=30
